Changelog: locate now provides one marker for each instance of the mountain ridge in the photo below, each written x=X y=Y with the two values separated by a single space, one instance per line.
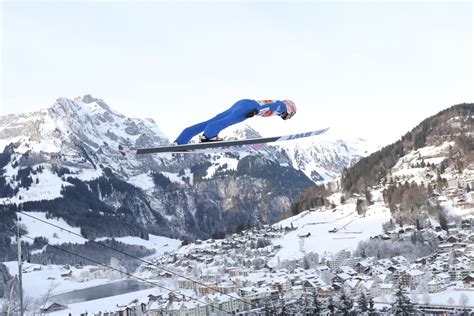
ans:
x=65 y=160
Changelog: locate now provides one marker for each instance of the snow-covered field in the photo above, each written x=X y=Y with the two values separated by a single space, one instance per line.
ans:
x=142 y=181
x=454 y=297
x=456 y=211
x=109 y=304
x=37 y=228
x=404 y=168
x=38 y=279
x=158 y=243
x=45 y=185
x=351 y=228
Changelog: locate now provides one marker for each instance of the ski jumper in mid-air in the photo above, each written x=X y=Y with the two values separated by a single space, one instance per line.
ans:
x=237 y=113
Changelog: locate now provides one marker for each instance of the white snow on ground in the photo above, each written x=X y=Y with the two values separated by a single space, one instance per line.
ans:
x=58 y=236
x=318 y=153
x=37 y=279
x=176 y=178
x=431 y=154
x=159 y=243
x=351 y=228
x=219 y=161
x=451 y=297
x=87 y=174
x=143 y=181
x=110 y=303
x=405 y=167
x=37 y=283
x=448 y=207
x=48 y=187
x=5 y=142
x=55 y=236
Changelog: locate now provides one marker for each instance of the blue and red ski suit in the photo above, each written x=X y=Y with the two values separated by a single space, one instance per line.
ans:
x=237 y=113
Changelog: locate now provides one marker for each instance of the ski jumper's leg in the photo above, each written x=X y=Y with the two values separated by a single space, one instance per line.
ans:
x=237 y=113
x=192 y=131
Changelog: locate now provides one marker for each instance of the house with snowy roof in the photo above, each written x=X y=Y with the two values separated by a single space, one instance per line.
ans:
x=324 y=291
x=226 y=287
x=230 y=303
x=385 y=262
x=443 y=277
x=351 y=286
x=310 y=286
x=206 y=288
x=458 y=271
x=370 y=288
x=411 y=278
x=347 y=270
x=364 y=266
x=386 y=288
x=186 y=283
x=341 y=278
x=468 y=281
x=435 y=286
x=258 y=295
x=401 y=260
x=53 y=307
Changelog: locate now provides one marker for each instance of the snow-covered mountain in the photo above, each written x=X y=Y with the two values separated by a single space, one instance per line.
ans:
x=393 y=202
x=65 y=159
x=323 y=158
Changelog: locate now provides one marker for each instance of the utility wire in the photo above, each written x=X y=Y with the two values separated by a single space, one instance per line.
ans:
x=118 y=270
x=137 y=258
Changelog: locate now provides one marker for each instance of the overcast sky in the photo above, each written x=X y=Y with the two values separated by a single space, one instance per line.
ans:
x=368 y=69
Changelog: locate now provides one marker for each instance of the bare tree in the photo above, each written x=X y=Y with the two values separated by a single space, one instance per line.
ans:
x=47 y=295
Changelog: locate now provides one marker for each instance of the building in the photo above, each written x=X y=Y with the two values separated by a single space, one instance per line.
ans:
x=411 y=278
x=435 y=286
x=54 y=307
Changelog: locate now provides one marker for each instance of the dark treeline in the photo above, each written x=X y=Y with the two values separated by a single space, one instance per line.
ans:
x=4 y=279
x=83 y=205
x=311 y=198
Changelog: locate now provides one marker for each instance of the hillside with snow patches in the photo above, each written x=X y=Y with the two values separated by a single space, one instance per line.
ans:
x=324 y=230
x=328 y=230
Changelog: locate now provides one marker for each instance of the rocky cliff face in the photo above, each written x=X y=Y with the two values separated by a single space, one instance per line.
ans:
x=64 y=160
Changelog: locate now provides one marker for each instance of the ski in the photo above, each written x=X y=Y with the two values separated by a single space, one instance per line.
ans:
x=201 y=147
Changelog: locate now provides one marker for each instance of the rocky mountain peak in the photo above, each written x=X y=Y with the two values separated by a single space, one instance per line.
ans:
x=66 y=160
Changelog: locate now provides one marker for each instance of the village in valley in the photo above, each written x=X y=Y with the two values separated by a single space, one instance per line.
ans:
x=232 y=275
x=405 y=246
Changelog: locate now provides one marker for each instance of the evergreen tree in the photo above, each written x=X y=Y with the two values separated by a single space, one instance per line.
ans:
x=418 y=225
x=346 y=304
x=443 y=222
x=402 y=305
x=316 y=305
x=371 y=308
x=331 y=306
x=363 y=303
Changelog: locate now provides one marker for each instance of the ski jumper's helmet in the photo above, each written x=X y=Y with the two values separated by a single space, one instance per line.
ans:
x=290 y=110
